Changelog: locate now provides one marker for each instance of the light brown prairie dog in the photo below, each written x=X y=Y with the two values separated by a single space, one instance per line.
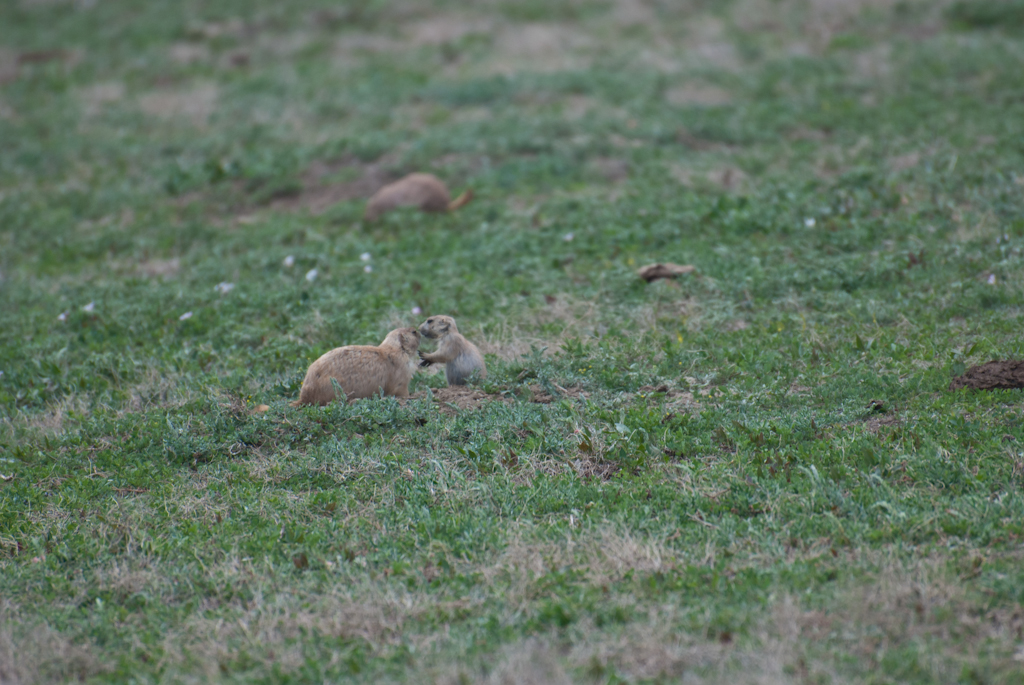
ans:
x=460 y=357
x=364 y=370
x=425 y=191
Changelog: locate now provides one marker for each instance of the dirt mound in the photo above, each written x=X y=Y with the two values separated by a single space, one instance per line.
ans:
x=994 y=375
x=457 y=398
x=462 y=397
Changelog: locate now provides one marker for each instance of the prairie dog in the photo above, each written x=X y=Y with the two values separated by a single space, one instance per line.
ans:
x=363 y=370
x=425 y=191
x=460 y=357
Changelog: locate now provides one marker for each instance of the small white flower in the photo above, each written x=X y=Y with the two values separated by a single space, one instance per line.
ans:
x=992 y=279
x=368 y=268
x=809 y=222
x=289 y=261
x=417 y=311
x=89 y=307
x=311 y=275
x=568 y=237
x=63 y=316
x=185 y=316
x=224 y=287
x=365 y=256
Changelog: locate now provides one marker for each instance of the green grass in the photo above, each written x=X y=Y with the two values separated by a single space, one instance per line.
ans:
x=804 y=501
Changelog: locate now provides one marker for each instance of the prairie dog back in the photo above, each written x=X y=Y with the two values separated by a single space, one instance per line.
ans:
x=460 y=357
x=364 y=370
x=425 y=191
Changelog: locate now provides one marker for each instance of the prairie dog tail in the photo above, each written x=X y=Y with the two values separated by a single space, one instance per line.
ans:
x=461 y=200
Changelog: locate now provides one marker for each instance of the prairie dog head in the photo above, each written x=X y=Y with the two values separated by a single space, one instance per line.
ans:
x=438 y=327
x=405 y=339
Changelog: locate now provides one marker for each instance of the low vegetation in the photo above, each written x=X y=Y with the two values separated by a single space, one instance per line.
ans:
x=756 y=472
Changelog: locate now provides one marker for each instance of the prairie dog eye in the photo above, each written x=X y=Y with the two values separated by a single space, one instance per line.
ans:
x=430 y=321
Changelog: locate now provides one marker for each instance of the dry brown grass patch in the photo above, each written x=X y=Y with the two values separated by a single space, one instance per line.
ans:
x=606 y=554
x=271 y=629
x=158 y=390
x=530 y=662
x=52 y=420
x=903 y=604
x=652 y=649
x=32 y=652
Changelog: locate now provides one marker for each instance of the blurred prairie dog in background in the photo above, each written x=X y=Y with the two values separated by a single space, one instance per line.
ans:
x=363 y=370
x=460 y=357
x=425 y=191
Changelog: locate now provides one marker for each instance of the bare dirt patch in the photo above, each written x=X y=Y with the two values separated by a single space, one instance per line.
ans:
x=727 y=178
x=456 y=398
x=875 y=423
x=676 y=401
x=353 y=50
x=189 y=53
x=194 y=105
x=610 y=169
x=439 y=30
x=159 y=268
x=904 y=162
x=633 y=12
x=710 y=46
x=539 y=47
x=994 y=375
x=8 y=66
x=575 y=107
x=97 y=96
x=690 y=94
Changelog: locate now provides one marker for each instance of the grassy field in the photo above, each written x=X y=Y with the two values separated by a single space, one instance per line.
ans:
x=756 y=473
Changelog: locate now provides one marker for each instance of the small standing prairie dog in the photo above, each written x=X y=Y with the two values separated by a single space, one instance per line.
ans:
x=425 y=191
x=363 y=370
x=460 y=357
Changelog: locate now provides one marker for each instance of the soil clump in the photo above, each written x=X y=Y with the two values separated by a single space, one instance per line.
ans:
x=994 y=375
